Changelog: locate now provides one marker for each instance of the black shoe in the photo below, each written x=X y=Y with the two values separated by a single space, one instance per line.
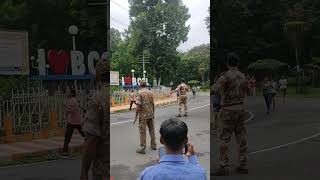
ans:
x=185 y=115
x=65 y=154
x=242 y=170
x=221 y=171
x=179 y=115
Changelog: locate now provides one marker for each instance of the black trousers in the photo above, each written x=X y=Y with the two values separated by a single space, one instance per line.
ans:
x=268 y=100
x=131 y=104
x=68 y=135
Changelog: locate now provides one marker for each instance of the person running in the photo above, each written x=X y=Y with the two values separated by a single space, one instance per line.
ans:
x=74 y=120
x=283 y=86
x=267 y=93
x=178 y=94
x=253 y=85
x=274 y=92
x=132 y=98
x=194 y=90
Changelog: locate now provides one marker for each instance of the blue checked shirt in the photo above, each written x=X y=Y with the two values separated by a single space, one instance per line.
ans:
x=175 y=167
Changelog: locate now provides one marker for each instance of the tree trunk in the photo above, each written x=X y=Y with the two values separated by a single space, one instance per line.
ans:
x=159 y=81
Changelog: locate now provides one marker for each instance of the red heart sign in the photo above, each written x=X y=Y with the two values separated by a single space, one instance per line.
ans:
x=58 y=61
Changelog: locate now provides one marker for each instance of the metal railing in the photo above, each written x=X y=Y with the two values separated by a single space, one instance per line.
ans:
x=30 y=109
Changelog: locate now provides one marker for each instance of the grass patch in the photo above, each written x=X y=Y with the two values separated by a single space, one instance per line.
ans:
x=37 y=159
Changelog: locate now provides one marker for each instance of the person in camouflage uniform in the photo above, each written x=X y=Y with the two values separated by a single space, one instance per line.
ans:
x=232 y=86
x=96 y=158
x=182 y=89
x=145 y=111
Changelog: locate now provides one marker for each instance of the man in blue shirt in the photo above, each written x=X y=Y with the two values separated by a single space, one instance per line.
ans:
x=173 y=165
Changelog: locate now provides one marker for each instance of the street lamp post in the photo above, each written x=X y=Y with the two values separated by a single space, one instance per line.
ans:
x=132 y=71
x=73 y=31
x=144 y=74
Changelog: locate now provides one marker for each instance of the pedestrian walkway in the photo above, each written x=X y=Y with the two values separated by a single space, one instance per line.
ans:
x=38 y=147
x=158 y=103
x=44 y=146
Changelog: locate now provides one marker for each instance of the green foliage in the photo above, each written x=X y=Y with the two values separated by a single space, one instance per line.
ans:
x=195 y=63
x=206 y=85
x=9 y=83
x=193 y=82
x=47 y=23
x=159 y=26
x=267 y=65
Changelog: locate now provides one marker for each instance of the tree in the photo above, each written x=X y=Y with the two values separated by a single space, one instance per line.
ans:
x=267 y=67
x=295 y=29
x=115 y=38
x=207 y=20
x=159 y=27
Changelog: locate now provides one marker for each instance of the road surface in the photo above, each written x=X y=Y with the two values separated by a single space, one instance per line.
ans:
x=284 y=145
x=126 y=164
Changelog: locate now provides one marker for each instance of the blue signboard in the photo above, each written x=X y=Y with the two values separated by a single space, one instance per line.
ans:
x=63 y=77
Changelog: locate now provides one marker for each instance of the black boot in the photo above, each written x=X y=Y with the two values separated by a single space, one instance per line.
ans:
x=242 y=169
x=221 y=171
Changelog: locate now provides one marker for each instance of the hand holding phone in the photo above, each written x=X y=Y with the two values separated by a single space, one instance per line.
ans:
x=190 y=150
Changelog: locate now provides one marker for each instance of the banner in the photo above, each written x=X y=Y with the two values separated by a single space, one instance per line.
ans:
x=114 y=78
x=14 y=58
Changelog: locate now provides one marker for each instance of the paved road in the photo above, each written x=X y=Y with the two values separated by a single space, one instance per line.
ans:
x=126 y=164
x=284 y=145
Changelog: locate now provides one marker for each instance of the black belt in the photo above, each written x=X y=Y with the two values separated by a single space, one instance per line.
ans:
x=232 y=104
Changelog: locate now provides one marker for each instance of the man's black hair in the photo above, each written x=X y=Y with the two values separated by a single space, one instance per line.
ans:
x=182 y=80
x=174 y=133
x=233 y=59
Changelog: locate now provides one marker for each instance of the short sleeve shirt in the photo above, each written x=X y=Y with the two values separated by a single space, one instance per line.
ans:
x=182 y=89
x=94 y=115
x=72 y=107
x=146 y=101
x=232 y=86
x=283 y=83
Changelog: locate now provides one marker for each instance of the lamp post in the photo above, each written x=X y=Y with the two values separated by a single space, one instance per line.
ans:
x=132 y=71
x=144 y=74
x=73 y=31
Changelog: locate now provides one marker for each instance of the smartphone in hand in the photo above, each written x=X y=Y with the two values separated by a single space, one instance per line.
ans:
x=185 y=149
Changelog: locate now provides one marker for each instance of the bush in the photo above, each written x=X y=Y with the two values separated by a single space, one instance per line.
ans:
x=193 y=82
x=206 y=85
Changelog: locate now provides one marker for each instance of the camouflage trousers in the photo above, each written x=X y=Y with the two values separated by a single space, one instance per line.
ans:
x=95 y=158
x=143 y=123
x=183 y=102
x=229 y=122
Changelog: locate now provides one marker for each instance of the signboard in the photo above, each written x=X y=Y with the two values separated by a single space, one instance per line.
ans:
x=14 y=53
x=63 y=65
x=114 y=78
x=132 y=81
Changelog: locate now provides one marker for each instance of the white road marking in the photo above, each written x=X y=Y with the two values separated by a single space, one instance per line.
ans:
x=285 y=145
x=123 y=122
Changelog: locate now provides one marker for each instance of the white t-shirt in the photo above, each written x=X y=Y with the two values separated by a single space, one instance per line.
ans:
x=283 y=83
